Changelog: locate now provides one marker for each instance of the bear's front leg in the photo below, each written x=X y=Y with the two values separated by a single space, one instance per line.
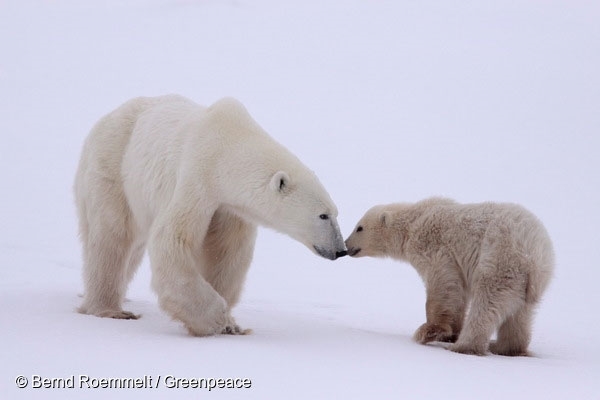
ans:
x=432 y=332
x=191 y=300
x=182 y=291
x=232 y=328
x=445 y=308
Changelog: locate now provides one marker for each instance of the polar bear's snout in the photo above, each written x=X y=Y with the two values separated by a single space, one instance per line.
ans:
x=328 y=241
x=353 y=251
x=353 y=245
x=330 y=254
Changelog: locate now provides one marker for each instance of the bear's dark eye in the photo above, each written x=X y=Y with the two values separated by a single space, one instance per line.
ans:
x=359 y=229
x=281 y=184
x=324 y=216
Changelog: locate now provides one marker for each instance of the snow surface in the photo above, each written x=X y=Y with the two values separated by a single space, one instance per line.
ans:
x=386 y=101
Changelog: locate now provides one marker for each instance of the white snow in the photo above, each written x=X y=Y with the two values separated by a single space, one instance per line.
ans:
x=386 y=101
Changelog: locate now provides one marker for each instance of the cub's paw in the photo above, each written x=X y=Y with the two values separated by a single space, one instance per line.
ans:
x=434 y=333
x=506 y=349
x=477 y=350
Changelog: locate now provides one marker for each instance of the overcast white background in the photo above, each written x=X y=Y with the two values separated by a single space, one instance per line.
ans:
x=386 y=101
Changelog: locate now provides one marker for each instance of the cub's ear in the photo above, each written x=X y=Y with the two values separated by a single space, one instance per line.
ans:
x=385 y=218
x=280 y=181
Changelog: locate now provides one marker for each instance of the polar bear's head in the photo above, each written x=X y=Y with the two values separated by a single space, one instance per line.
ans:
x=385 y=230
x=302 y=209
x=261 y=180
x=371 y=235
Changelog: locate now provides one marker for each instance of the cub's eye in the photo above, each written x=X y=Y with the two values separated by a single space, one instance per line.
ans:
x=324 y=216
x=359 y=229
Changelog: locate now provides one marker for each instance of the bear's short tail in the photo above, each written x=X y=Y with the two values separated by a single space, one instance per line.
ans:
x=539 y=253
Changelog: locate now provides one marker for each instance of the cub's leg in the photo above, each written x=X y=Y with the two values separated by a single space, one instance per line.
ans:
x=225 y=258
x=445 y=306
x=499 y=292
x=514 y=334
x=496 y=296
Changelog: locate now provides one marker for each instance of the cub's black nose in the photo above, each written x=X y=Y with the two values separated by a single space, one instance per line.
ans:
x=339 y=254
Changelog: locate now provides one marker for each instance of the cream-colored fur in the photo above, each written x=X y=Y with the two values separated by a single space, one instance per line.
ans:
x=191 y=184
x=496 y=257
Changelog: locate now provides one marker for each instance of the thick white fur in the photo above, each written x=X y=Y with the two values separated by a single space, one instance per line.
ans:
x=190 y=184
x=497 y=257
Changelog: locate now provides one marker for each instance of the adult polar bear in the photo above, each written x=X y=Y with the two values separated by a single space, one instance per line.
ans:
x=192 y=183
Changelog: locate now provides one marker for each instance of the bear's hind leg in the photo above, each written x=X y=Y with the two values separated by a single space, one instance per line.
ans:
x=225 y=258
x=491 y=304
x=106 y=251
x=514 y=334
x=479 y=327
x=107 y=236
x=135 y=258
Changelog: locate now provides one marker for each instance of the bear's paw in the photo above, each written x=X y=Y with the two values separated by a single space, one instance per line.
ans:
x=434 y=333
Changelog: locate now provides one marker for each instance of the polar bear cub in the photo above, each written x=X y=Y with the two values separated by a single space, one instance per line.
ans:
x=190 y=184
x=497 y=258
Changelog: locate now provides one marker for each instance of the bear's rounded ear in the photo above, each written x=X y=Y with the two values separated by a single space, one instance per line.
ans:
x=280 y=181
x=385 y=218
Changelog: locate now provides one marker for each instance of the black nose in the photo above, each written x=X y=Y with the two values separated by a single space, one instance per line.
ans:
x=339 y=254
